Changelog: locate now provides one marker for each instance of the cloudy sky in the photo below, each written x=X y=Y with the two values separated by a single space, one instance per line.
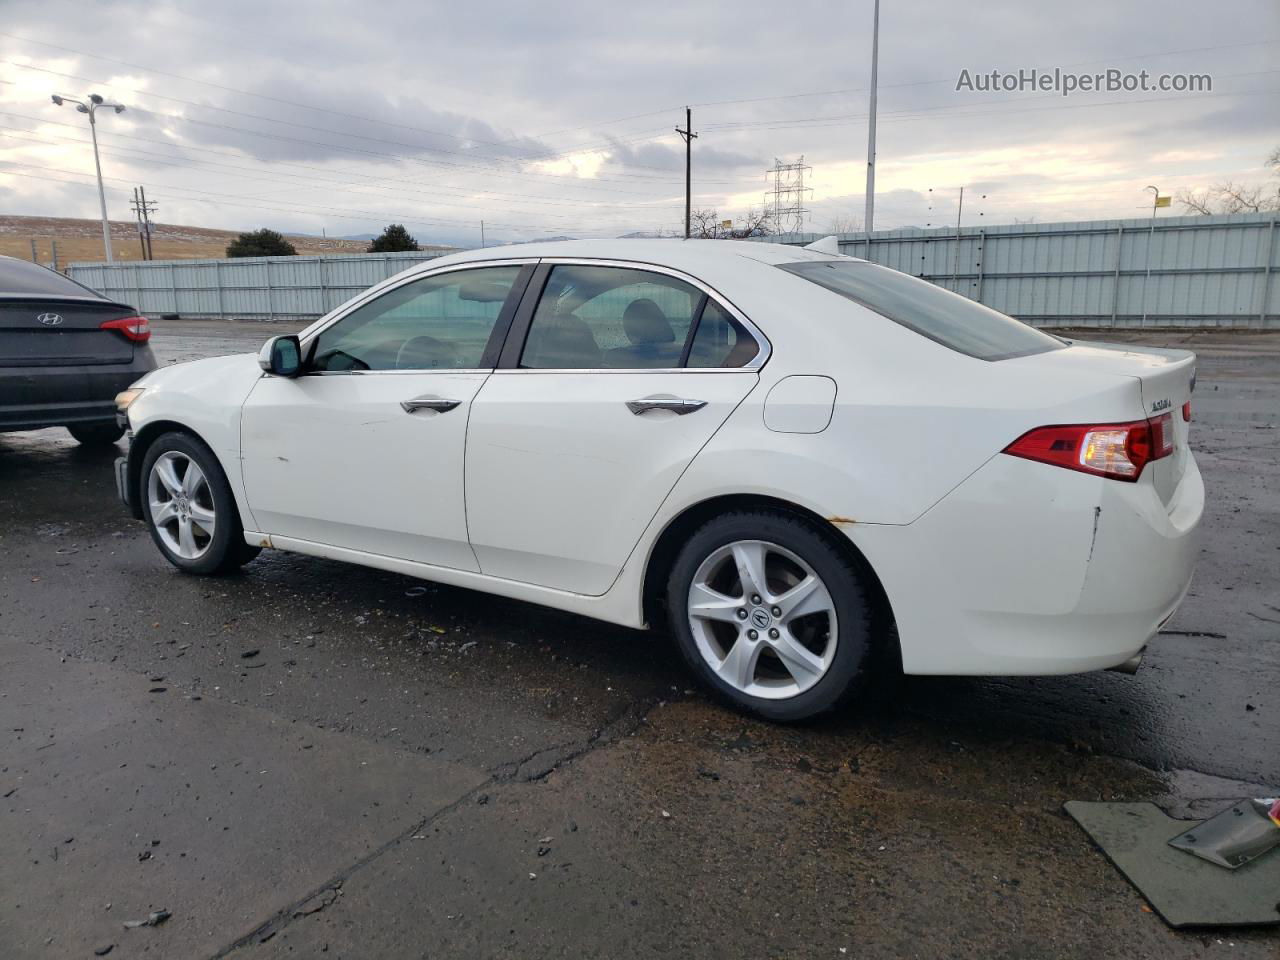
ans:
x=554 y=118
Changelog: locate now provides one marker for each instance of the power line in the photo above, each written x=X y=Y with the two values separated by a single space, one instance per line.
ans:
x=597 y=123
x=300 y=208
x=286 y=177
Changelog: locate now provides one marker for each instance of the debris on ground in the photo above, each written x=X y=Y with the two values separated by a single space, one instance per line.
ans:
x=154 y=919
x=1236 y=836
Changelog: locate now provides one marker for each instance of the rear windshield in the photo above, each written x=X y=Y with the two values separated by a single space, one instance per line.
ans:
x=19 y=276
x=942 y=316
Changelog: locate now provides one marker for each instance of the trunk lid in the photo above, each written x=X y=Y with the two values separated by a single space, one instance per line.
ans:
x=1165 y=380
x=50 y=331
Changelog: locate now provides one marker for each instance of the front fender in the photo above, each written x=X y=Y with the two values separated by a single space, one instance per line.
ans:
x=203 y=397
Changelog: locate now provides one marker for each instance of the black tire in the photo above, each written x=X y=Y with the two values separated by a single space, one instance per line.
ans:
x=226 y=550
x=96 y=434
x=846 y=581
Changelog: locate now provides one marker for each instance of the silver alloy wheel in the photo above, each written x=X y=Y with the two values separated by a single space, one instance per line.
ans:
x=181 y=504
x=762 y=619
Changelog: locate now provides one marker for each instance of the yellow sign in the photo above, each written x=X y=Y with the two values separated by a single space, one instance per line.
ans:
x=1163 y=201
x=728 y=224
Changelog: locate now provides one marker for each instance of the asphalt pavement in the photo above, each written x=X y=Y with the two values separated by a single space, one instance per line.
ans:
x=316 y=760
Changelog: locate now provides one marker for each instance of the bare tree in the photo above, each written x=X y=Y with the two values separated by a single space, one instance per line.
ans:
x=844 y=223
x=706 y=225
x=1231 y=197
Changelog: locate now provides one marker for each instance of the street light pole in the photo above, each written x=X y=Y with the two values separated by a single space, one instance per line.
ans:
x=871 y=129
x=1151 y=236
x=91 y=108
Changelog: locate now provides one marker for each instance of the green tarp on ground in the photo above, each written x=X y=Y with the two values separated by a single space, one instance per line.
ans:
x=1185 y=890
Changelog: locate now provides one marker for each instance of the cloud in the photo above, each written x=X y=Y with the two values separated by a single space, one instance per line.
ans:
x=549 y=120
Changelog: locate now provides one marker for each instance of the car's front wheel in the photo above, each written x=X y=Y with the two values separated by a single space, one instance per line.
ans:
x=771 y=615
x=96 y=434
x=189 y=507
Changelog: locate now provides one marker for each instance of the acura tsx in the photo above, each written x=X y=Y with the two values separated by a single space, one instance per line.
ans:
x=811 y=467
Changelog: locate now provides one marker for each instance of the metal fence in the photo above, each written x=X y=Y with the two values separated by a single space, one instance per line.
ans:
x=1178 y=271
x=259 y=288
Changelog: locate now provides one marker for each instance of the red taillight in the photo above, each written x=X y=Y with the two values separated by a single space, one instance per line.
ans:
x=1115 y=450
x=136 y=329
x=1186 y=411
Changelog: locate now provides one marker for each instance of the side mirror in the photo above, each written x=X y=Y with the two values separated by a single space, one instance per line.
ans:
x=281 y=356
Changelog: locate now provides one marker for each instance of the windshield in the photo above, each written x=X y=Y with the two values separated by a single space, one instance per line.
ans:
x=944 y=317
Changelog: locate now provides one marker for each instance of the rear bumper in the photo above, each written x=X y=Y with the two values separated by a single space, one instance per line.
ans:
x=35 y=397
x=1026 y=569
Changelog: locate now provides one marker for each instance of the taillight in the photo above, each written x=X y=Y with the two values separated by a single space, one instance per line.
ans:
x=1115 y=450
x=136 y=329
x=1186 y=411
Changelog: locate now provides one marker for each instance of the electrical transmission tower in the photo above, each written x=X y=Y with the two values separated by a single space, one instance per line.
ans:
x=142 y=209
x=786 y=202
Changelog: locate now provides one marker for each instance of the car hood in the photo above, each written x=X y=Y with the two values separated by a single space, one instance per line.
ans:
x=235 y=366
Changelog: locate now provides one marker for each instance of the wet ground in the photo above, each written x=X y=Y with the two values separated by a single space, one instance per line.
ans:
x=313 y=759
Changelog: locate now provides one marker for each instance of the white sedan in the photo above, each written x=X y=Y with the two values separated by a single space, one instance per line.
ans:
x=811 y=467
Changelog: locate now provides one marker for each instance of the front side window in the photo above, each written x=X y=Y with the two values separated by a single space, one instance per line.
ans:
x=443 y=322
x=944 y=317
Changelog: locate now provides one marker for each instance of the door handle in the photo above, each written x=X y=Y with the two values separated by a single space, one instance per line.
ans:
x=677 y=405
x=428 y=402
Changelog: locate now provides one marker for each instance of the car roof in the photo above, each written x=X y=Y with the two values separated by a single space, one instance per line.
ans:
x=688 y=255
x=23 y=279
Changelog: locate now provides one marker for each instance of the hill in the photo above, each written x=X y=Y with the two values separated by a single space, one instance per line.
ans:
x=81 y=240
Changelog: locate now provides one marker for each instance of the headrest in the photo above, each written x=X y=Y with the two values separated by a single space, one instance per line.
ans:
x=644 y=322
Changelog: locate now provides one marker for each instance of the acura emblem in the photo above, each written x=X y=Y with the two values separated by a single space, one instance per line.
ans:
x=760 y=617
x=49 y=319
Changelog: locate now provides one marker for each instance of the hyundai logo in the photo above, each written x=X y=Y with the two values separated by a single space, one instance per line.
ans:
x=49 y=319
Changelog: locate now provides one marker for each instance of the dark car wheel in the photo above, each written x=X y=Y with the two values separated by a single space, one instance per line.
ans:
x=96 y=434
x=189 y=508
x=771 y=615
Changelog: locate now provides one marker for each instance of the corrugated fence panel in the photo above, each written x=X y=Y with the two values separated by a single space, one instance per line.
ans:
x=294 y=288
x=1175 y=271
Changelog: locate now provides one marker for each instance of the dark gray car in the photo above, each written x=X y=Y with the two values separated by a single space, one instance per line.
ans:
x=65 y=352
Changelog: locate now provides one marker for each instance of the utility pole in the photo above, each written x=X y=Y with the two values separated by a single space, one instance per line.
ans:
x=871 y=128
x=90 y=106
x=689 y=137
x=955 y=272
x=147 y=208
x=137 y=213
x=481 y=234
x=143 y=209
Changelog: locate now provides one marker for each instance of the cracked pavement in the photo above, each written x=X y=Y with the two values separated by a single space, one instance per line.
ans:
x=312 y=759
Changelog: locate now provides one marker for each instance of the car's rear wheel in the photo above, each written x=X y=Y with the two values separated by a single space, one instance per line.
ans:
x=189 y=507
x=96 y=434
x=771 y=615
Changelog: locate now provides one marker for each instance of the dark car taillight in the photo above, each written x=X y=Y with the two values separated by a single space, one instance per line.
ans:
x=1115 y=450
x=137 y=329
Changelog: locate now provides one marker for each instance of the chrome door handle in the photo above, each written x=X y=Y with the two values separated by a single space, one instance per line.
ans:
x=676 y=405
x=429 y=402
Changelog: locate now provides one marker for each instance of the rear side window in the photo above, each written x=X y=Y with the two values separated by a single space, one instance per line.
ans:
x=720 y=341
x=620 y=318
x=18 y=276
x=942 y=316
